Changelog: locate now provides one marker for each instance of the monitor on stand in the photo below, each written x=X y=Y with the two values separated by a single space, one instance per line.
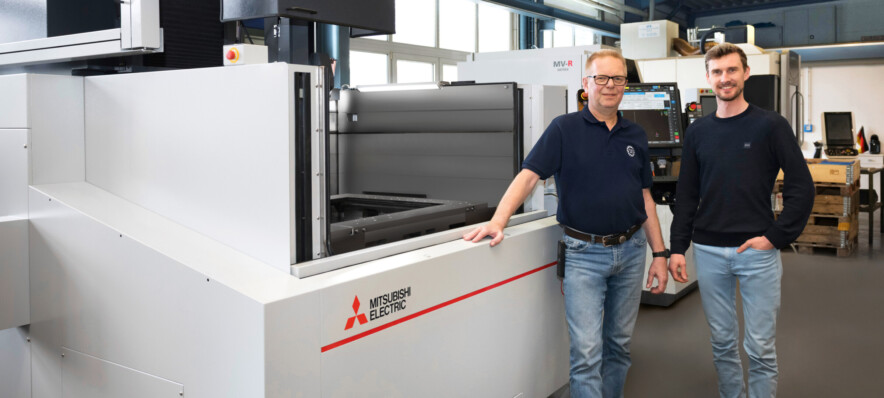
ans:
x=838 y=134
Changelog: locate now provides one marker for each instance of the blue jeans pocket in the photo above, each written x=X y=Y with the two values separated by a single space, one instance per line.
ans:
x=639 y=238
x=768 y=252
x=574 y=244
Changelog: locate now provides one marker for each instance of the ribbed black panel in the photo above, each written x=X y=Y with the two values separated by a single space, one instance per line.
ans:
x=193 y=35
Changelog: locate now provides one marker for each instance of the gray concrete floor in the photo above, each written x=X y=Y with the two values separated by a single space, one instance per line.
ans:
x=830 y=332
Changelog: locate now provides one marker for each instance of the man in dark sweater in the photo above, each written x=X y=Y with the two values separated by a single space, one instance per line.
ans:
x=729 y=164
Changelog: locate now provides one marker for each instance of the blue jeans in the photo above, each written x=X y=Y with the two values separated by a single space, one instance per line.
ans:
x=759 y=273
x=602 y=294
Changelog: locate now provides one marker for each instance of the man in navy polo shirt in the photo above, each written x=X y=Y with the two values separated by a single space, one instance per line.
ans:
x=603 y=177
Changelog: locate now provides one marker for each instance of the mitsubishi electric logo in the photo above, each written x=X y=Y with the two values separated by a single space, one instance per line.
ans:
x=380 y=306
x=563 y=66
x=389 y=303
x=352 y=319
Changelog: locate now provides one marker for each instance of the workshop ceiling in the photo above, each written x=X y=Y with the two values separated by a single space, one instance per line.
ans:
x=723 y=6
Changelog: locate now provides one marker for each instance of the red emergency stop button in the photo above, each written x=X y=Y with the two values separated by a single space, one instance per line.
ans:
x=232 y=55
x=583 y=95
x=692 y=106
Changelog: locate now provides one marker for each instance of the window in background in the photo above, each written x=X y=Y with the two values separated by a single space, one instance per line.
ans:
x=414 y=72
x=449 y=73
x=416 y=22
x=457 y=25
x=583 y=36
x=547 y=39
x=376 y=37
x=564 y=36
x=494 y=28
x=368 y=68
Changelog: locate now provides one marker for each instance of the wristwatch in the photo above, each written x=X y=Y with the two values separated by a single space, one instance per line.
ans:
x=664 y=254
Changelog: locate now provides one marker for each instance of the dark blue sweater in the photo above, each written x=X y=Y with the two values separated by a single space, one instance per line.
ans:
x=728 y=170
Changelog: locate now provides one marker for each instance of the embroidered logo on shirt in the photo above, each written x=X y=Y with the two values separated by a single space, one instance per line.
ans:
x=630 y=151
x=747 y=145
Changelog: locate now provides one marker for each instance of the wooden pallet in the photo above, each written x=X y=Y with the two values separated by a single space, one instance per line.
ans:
x=829 y=231
x=841 y=201
x=823 y=248
x=836 y=222
x=835 y=239
x=828 y=188
x=839 y=205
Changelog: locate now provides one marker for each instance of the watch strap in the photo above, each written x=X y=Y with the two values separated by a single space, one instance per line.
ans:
x=665 y=253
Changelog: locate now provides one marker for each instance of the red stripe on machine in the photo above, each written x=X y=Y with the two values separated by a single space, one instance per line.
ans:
x=433 y=308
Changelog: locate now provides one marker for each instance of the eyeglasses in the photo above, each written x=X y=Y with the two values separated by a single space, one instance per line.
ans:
x=602 y=80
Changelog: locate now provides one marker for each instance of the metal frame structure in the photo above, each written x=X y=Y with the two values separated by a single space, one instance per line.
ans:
x=139 y=33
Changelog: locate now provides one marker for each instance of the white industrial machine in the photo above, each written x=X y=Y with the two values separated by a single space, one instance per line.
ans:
x=160 y=236
x=561 y=66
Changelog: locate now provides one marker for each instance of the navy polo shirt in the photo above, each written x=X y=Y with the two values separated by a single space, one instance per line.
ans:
x=600 y=173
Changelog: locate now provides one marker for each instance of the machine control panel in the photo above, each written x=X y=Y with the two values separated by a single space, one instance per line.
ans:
x=655 y=107
x=244 y=54
x=692 y=112
x=706 y=101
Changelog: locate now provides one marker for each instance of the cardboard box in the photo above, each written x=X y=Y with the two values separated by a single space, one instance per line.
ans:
x=830 y=171
x=648 y=39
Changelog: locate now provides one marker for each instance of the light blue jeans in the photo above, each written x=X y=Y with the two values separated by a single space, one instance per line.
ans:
x=759 y=273
x=602 y=294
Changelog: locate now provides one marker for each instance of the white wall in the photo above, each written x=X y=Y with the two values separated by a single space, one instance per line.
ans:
x=855 y=86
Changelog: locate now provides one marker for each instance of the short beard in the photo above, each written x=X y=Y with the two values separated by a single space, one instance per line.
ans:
x=736 y=95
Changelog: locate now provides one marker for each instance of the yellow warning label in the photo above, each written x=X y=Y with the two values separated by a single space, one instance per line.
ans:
x=844 y=226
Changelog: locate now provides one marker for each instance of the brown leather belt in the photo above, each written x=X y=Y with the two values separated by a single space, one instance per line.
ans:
x=607 y=240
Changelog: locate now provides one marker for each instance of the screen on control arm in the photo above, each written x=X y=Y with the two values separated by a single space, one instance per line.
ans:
x=655 y=107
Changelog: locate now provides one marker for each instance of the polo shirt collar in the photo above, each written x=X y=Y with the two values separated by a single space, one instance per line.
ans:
x=592 y=119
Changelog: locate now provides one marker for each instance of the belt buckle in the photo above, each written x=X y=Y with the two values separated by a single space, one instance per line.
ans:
x=613 y=240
